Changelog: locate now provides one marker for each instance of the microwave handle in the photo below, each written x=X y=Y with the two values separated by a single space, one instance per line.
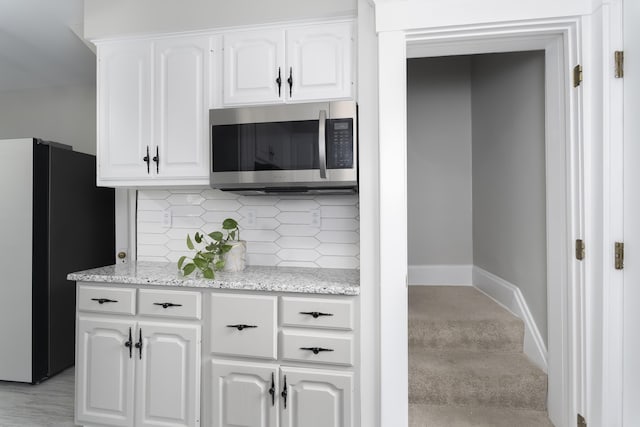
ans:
x=322 y=144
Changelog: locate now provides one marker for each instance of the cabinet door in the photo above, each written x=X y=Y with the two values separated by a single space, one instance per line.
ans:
x=182 y=67
x=104 y=372
x=244 y=394
x=319 y=59
x=124 y=111
x=168 y=375
x=253 y=61
x=316 y=398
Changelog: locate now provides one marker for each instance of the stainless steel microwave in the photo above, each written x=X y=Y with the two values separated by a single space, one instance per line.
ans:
x=278 y=149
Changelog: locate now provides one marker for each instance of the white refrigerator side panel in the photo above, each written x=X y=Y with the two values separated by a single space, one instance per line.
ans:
x=16 y=217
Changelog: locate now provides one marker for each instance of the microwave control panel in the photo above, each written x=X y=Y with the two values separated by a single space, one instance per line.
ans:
x=340 y=143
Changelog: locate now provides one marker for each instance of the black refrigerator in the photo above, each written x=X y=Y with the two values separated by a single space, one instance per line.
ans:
x=54 y=220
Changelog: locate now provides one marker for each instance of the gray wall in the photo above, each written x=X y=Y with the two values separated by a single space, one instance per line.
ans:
x=509 y=226
x=439 y=161
x=63 y=114
x=105 y=18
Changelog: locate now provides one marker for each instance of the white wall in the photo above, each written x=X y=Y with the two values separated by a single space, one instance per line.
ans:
x=439 y=161
x=63 y=114
x=107 y=18
x=509 y=196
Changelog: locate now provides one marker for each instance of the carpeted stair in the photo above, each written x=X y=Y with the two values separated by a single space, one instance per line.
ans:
x=466 y=366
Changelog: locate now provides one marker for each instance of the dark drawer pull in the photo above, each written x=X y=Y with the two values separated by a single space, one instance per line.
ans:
x=316 y=350
x=103 y=300
x=315 y=314
x=241 y=327
x=167 y=304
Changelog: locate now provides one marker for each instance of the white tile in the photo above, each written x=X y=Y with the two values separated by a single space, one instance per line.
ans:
x=338 y=237
x=152 y=205
x=186 y=210
x=261 y=211
x=152 y=250
x=187 y=222
x=338 y=262
x=262 y=248
x=216 y=217
x=262 y=259
x=180 y=233
x=178 y=245
x=297 y=230
x=150 y=216
x=338 y=212
x=298 y=264
x=295 y=242
x=153 y=194
x=258 y=200
x=218 y=194
x=186 y=190
x=152 y=239
x=338 y=249
x=152 y=258
x=186 y=199
x=259 y=235
x=298 y=255
x=260 y=224
x=339 y=224
x=151 y=227
x=174 y=256
x=294 y=218
x=340 y=200
x=221 y=205
x=292 y=205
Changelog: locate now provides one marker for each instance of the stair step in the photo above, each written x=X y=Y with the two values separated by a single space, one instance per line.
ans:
x=461 y=317
x=470 y=416
x=507 y=380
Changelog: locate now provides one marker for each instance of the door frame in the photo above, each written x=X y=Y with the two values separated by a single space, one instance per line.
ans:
x=565 y=213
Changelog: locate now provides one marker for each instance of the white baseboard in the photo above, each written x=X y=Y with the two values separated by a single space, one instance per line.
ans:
x=509 y=296
x=450 y=275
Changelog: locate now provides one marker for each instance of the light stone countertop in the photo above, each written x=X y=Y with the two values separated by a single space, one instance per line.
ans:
x=331 y=281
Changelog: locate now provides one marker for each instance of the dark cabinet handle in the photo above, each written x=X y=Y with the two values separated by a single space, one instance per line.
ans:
x=139 y=344
x=156 y=159
x=146 y=159
x=284 y=392
x=316 y=350
x=279 y=82
x=315 y=314
x=241 y=327
x=129 y=344
x=103 y=300
x=290 y=81
x=272 y=390
x=167 y=304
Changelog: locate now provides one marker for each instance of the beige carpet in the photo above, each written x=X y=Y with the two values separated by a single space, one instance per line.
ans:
x=466 y=366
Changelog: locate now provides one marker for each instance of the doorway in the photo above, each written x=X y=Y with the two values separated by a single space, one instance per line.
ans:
x=563 y=188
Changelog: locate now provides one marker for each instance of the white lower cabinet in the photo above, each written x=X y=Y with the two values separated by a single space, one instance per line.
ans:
x=246 y=394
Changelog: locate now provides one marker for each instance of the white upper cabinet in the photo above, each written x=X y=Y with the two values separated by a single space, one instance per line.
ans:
x=153 y=102
x=303 y=63
x=253 y=67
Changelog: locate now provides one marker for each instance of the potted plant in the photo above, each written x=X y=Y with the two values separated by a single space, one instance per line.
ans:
x=215 y=251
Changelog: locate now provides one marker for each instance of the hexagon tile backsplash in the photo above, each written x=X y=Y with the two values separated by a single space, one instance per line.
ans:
x=300 y=231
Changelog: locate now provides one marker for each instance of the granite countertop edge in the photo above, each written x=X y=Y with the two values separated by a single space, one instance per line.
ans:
x=254 y=278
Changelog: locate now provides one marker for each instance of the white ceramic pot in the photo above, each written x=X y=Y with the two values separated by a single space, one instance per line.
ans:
x=234 y=260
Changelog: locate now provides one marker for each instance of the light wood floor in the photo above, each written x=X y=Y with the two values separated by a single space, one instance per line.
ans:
x=48 y=404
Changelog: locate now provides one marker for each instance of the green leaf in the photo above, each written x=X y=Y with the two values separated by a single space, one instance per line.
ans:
x=201 y=263
x=181 y=261
x=226 y=248
x=207 y=255
x=189 y=242
x=208 y=273
x=210 y=247
x=216 y=235
x=198 y=237
x=229 y=224
x=220 y=264
x=188 y=269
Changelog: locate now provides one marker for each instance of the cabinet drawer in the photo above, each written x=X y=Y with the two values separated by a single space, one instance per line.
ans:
x=163 y=303
x=100 y=299
x=303 y=346
x=244 y=325
x=317 y=313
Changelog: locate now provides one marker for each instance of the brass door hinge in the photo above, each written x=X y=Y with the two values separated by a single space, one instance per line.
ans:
x=577 y=75
x=581 y=421
x=619 y=60
x=619 y=255
x=579 y=249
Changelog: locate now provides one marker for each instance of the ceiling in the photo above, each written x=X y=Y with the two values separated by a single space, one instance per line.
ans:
x=40 y=46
